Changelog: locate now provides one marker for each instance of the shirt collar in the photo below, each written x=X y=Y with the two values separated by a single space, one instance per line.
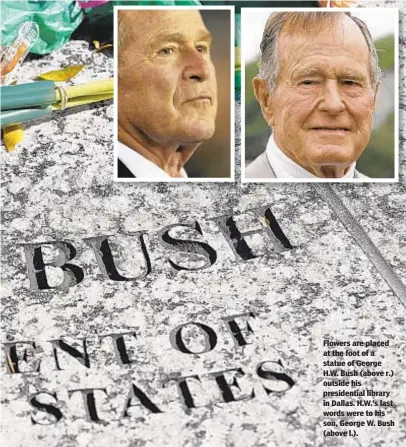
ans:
x=284 y=167
x=140 y=166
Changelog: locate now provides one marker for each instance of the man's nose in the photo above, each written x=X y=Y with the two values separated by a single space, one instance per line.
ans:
x=332 y=101
x=197 y=66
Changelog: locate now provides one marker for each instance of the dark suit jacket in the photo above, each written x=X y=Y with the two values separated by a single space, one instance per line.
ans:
x=123 y=171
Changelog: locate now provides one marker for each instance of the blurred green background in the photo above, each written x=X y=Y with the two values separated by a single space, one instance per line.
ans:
x=378 y=159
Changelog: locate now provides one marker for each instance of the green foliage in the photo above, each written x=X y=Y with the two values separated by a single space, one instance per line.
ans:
x=378 y=158
x=250 y=71
x=386 y=52
x=256 y=130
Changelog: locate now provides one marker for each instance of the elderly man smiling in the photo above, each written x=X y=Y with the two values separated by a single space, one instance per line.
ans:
x=317 y=87
x=167 y=92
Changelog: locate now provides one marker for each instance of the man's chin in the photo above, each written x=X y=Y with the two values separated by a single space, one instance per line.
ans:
x=331 y=154
x=197 y=133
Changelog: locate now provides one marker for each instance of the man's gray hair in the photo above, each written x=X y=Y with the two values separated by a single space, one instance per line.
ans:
x=308 y=22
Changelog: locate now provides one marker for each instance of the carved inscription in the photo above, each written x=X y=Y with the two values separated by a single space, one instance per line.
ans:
x=191 y=253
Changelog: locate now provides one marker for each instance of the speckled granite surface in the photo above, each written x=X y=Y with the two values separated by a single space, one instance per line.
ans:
x=58 y=186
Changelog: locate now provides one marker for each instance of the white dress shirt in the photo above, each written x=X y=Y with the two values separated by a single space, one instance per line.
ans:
x=140 y=166
x=284 y=167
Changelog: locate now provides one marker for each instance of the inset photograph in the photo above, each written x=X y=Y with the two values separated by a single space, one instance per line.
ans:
x=174 y=85
x=320 y=95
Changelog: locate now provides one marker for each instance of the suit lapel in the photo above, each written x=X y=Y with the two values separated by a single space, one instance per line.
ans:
x=260 y=168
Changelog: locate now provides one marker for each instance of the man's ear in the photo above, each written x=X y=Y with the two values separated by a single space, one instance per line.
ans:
x=264 y=98
x=376 y=93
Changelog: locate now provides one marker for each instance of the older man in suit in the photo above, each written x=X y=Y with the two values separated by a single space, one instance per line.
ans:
x=167 y=91
x=317 y=87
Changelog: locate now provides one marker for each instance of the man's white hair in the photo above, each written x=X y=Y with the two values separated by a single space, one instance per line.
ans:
x=308 y=22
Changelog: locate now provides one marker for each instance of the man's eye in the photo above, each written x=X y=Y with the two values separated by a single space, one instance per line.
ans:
x=166 y=51
x=350 y=83
x=202 y=48
x=308 y=82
